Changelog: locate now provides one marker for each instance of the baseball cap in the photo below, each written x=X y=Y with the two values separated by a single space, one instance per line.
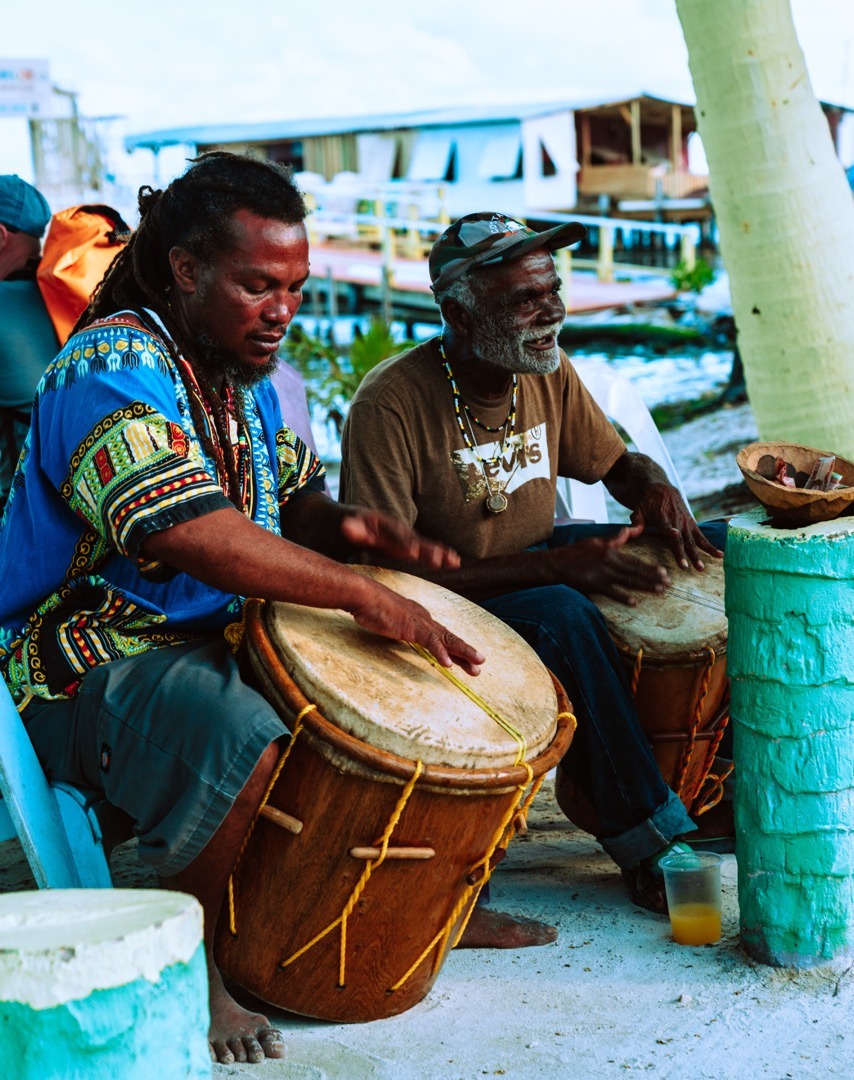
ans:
x=487 y=239
x=22 y=207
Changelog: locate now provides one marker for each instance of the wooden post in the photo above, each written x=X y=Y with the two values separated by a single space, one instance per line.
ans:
x=563 y=263
x=413 y=237
x=332 y=303
x=386 y=235
x=310 y=220
x=442 y=194
x=605 y=263
x=316 y=309
x=387 y=307
x=586 y=142
x=636 y=132
x=688 y=251
x=676 y=138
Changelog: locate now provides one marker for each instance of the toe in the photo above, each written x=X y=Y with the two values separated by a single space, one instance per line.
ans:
x=252 y=1049
x=222 y=1053
x=235 y=1045
x=272 y=1042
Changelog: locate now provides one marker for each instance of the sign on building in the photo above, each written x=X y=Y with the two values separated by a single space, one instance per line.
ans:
x=24 y=87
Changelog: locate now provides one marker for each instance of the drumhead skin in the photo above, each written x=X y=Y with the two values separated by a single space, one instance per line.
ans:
x=675 y=624
x=387 y=695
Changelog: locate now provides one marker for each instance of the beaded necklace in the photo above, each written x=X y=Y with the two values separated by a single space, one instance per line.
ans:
x=496 y=500
x=237 y=433
x=239 y=443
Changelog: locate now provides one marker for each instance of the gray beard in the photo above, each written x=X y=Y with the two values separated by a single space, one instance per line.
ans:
x=494 y=344
x=217 y=361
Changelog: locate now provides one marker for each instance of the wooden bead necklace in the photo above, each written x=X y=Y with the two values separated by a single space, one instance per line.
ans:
x=496 y=500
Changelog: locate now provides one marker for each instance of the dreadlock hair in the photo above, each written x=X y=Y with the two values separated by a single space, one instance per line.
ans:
x=193 y=213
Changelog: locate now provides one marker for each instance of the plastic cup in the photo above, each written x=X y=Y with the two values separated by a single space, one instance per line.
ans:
x=692 y=881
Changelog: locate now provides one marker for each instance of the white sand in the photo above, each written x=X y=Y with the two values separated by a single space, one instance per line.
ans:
x=612 y=996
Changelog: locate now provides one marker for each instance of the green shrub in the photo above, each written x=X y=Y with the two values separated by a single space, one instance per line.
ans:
x=331 y=377
x=693 y=279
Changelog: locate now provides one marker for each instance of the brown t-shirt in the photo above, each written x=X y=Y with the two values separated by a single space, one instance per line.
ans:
x=403 y=453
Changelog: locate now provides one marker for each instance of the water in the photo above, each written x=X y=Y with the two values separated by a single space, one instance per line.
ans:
x=681 y=373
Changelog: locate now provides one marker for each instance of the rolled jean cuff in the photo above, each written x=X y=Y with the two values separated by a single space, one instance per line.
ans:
x=650 y=836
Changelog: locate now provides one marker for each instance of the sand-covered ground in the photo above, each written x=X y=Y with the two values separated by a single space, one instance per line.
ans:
x=613 y=997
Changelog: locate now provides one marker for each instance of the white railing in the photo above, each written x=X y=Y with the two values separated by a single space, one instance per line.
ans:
x=410 y=235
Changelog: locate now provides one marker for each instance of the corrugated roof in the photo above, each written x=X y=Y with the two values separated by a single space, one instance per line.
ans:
x=276 y=130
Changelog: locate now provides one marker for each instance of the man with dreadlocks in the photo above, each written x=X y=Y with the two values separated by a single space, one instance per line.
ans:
x=158 y=487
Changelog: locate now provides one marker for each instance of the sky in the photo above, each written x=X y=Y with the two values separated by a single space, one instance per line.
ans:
x=170 y=63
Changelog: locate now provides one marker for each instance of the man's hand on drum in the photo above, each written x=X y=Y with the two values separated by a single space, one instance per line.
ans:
x=391 y=539
x=394 y=616
x=598 y=565
x=662 y=510
x=641 y=484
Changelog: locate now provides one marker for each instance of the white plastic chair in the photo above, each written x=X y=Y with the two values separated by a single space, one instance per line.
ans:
x=621 y=402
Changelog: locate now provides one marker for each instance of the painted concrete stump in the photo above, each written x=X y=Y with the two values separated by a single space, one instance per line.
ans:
x=102 y=984
x=790 y=604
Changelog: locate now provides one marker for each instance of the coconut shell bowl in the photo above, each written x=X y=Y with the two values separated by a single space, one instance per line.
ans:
x=791 y=507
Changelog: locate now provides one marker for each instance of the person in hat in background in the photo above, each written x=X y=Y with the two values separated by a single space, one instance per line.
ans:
x=28 y=340
x=464 y=437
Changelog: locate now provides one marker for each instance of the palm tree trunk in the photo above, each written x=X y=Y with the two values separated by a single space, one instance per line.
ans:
x=785 y=216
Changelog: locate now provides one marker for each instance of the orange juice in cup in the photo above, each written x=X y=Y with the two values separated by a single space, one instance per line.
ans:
x=692 y=881
x=695 y=924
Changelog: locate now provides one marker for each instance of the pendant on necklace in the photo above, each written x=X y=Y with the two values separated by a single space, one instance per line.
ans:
x=497 y=502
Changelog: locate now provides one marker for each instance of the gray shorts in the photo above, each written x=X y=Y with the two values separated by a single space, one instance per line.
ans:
x=170 y=737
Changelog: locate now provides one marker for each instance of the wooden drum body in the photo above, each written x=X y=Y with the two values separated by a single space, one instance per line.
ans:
x=673 y=645
x=364 y=864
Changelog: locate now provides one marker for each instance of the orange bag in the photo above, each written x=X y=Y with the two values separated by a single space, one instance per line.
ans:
x=81 y=243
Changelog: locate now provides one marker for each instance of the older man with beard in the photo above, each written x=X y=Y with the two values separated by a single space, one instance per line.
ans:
x=464 y=437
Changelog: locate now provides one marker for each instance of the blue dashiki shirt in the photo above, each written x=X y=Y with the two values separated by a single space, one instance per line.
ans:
x=112 y=455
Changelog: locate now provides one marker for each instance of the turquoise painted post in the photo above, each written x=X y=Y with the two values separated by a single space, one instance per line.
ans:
x=790 y=655
x=101 y=984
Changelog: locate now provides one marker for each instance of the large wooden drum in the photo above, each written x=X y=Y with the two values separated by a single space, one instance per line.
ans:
x=673 y=645
x=396 y=797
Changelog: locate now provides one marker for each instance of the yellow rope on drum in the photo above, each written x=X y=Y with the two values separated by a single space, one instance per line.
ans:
x=493 y=714
x=471 y=892
x=636 y=671
x=695 y=722
x=232 y=913
x=370 y=866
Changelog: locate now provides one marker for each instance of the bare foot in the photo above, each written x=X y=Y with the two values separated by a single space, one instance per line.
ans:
x=498 y=930
x=238 y=1035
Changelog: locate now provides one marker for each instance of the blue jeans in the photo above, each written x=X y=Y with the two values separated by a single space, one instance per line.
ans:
x=610 y=759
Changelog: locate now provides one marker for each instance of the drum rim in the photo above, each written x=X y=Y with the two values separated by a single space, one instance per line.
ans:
x=383 y=760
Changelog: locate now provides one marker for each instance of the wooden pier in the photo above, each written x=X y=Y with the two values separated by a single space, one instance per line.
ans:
x=351 y=279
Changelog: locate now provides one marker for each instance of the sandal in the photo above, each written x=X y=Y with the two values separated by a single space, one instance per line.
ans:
x=646 y=888
x=645 y=881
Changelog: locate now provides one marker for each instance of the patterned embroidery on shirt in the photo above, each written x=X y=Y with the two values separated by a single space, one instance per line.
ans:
x=78 y=627
x=105 y=348
x=90 y=551
x=133 y=467
x=297 y=464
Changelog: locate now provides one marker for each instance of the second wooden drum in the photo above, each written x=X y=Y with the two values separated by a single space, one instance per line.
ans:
x=673 y=647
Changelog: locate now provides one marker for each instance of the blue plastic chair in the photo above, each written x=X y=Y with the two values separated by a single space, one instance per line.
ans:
x=66 y=832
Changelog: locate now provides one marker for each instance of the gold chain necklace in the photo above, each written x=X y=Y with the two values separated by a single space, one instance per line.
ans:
x=496 y=499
